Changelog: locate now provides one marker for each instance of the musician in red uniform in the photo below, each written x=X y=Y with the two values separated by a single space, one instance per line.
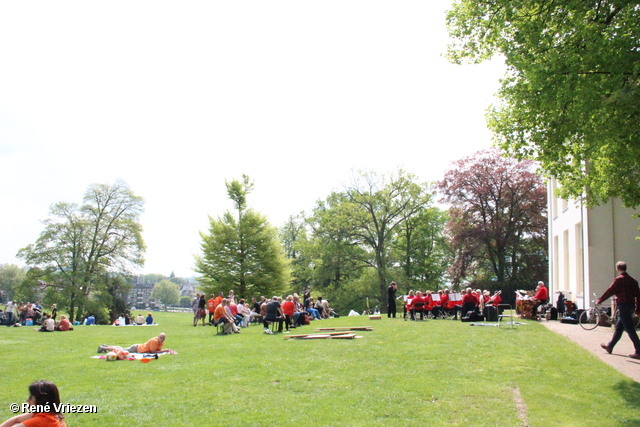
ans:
x=407 y=304
x=469 y=302
x=541 y=297
x=417 y=306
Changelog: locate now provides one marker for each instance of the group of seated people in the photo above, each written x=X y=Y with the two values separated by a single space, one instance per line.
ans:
x=49 y=325
x=289 y=312
x=445 y=303
x=125 y=320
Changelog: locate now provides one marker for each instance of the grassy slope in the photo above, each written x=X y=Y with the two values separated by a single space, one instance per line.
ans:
x=435 y=372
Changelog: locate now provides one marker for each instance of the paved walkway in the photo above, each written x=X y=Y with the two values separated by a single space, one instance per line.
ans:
x=591 y=340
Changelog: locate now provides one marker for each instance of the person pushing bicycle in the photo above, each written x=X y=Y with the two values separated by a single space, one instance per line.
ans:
x=627 y=293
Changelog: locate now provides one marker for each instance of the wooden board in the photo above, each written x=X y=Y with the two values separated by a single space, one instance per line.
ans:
x=322 y=336
x=347 y=328
x=375 y=317
x=315 y=337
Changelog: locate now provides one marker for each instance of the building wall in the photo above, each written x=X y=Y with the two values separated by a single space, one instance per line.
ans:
x=566 y=243
x=585 y=243
x=612 y=234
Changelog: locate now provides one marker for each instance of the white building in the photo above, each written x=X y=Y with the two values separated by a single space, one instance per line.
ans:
x=585 y=244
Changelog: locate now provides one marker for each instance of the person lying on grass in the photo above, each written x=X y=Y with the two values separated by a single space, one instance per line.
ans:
x=153 y=346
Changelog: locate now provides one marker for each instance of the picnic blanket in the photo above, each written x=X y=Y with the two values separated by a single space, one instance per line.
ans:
x=139 y=356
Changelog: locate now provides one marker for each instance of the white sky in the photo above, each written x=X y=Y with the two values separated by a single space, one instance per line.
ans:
x=176 y=97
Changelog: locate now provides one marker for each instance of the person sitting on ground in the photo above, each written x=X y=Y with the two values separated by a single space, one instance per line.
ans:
x=139 y=319
x=153 y=346
x=318 y=306
x=44 y=396
x=90 y=321
x=64 y=324
x=149 y=319
x=274 y=314
x=48 y=325
x=221 y=317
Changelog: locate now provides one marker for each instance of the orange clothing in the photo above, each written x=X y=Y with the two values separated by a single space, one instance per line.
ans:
x=64 y=325
x=43 y=419
x=152 y=345
x=211 y=304
x=219 y=313
x=218 y=300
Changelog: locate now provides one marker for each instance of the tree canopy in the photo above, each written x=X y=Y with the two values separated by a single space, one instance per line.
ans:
x=571 y=96
x=167 y=292
x=498 y=225
x=82 y=245
x=241 y=251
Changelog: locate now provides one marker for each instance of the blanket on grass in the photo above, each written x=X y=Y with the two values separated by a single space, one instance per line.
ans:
x=144 y=357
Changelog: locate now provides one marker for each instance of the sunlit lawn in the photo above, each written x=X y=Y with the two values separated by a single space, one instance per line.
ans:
x=437 y=372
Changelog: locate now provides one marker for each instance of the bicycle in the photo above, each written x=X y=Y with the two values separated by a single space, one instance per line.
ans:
x=592 y=317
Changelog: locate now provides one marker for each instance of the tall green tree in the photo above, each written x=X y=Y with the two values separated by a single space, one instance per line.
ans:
x=80 y=244
x=242 y=251
x=10 y=278
x=368 y=213
x=571 y=96
x=167 y=292
x=421 y=249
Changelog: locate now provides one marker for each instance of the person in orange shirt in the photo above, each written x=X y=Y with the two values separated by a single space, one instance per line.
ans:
x=43 y=395
x=219 y=299
x=154 y=345
x=221 y=316
x=211 y=305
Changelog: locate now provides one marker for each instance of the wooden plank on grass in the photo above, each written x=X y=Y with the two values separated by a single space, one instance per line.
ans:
x=347 y=328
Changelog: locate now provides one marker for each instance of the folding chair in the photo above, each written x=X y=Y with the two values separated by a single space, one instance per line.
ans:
x=417 y=308
x=502 y=309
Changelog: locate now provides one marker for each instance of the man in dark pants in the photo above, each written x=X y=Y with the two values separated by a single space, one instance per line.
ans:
x=627 y=292
x=391 y=303
x=274 y=314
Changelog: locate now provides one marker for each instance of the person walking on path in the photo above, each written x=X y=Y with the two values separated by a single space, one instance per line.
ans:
x=627 y=292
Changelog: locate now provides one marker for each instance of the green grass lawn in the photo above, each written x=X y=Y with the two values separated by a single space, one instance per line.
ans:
x=437 y=372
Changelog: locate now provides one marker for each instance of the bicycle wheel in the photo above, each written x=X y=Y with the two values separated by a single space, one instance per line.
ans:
x=589 y=319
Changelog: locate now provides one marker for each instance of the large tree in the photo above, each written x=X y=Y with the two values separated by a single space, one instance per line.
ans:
x=10 y=278
x=82 y=244
x=497 y=223
x=367 y=214
x=421 y=249
x=167 y=292
x=571 y=96
x=241 y=251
